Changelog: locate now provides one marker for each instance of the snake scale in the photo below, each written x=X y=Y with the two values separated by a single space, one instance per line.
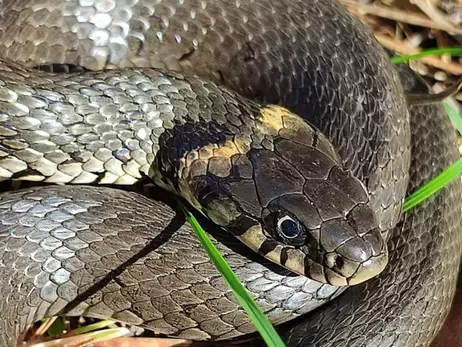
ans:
x=204 y=98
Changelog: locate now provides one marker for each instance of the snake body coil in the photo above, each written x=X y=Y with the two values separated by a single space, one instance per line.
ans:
x=323 y=211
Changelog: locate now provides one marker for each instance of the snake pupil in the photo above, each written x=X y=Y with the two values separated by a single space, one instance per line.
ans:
x=289 y=228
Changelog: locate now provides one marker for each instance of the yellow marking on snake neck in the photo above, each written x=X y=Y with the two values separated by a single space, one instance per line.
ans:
x=295 y=261
x=271 y=118
x=253 y=237
x=275 y=254
x=242 y=143
x=294 y=122
x=238 y=145
x=274 y=118
x=205 y=155
x=227 y=150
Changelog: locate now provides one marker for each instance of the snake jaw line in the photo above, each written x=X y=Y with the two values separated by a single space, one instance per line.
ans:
x=369 y=269
x=282 y=174
x=298 y=262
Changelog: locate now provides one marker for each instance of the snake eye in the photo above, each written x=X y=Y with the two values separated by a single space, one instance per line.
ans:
x=290 y=229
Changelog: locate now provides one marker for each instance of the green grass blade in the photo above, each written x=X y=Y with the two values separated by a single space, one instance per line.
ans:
x=425 y=53
x=92 y=327
x=88 y=339
x=452 y=172
x=455 y=117
x=258 y=318
x=56 y=328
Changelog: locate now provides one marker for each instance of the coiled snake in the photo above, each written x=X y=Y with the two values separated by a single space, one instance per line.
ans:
x=275 y=183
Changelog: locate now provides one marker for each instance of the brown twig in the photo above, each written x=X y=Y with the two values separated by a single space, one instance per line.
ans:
x=399 y=15
x=142 y=342
x=432 y=11
x=401 y=48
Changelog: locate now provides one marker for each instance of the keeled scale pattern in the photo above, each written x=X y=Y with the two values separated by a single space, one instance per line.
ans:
x=129 y=258
x=268 y=41
x=407 y=304
x=294 y=52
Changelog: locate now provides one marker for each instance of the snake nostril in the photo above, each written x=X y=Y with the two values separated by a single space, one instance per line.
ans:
x=339 y=262
x=334 y=260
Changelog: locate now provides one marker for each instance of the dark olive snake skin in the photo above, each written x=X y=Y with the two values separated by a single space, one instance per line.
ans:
x=108 y=253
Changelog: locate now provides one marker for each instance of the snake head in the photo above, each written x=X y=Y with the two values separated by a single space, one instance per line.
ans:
x=291 y=201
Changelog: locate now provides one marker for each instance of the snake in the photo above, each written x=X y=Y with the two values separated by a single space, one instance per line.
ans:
x=283 y=124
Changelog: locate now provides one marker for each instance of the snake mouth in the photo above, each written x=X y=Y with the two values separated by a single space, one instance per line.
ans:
x=336 y=269
x=357 y=260
x=369 y=269
x=341 y=271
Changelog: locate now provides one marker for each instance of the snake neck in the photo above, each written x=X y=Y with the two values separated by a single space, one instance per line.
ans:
x=229 y=157
x=273 y=169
